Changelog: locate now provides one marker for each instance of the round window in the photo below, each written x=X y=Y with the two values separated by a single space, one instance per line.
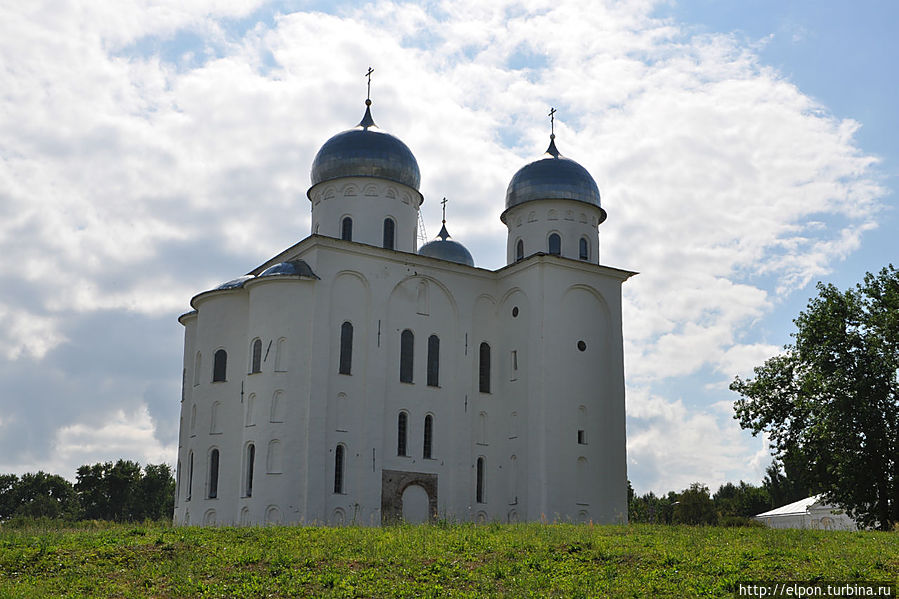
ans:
x=581 y=345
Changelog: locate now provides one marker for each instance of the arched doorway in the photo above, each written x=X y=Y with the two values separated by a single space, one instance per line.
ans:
x=415 y=504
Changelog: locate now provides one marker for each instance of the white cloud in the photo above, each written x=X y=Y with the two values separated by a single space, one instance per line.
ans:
x=129 y=436
x=672 y=446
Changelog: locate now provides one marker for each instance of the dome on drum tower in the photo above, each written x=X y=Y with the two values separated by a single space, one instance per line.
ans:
x=365 y=187
x=445 y=248
x=553 y=177
x=365 y=152
x=553 y=207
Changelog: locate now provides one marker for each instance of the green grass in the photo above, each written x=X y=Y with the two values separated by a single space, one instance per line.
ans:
x=459 y=560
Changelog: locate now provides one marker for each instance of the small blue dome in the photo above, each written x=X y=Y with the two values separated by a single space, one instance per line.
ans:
x=446 y=249
x=553 y=178
x=361 y=152
x=235 y=283
x=293 y=267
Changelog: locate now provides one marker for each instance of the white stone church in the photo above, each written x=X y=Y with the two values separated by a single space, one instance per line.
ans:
x=355 y=378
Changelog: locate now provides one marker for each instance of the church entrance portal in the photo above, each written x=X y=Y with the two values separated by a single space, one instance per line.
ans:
x=409 y=496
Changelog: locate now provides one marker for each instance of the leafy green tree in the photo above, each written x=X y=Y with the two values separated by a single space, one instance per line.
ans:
x=831 y=399
x=39 y=495
x=652 y=509
x=694 y=506
x=91 y=489
x=156 y=497
x=741 y=501
x=8 y=483
x=786 y=485
x=120 y=491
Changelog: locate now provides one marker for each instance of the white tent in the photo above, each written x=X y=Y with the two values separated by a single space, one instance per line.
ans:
x=810 y=512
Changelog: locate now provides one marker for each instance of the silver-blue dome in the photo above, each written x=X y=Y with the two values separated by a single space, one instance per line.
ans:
x=361 y=152
x=553 y=177
x=235 y=283
x=293 y=267
x=446 y=249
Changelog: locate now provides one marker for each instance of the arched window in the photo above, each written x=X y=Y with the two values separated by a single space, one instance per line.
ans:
x=251 y=459
x=215 y=418
x=581 y=493
x=346 y=228
x=256 y=365
x=338 y=469
x=428 y=437
x=401 y=427
x=276 y=412
x=346 y=348
x=484 y=368
x=479 y=490
x=407 y=344
x=193 y=419
x=198 y=362
x=273 y=460
x=433 y=361
x=513 y=480
x=583 y=249
x=519 y=250
x=482 y=428
x=219 y=366
x=389 y=227
x=555 y=244
x=190 y=475
x=251 y=410
x=213 y=484
x=281 y=355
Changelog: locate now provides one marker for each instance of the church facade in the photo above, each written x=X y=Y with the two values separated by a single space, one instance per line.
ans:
x=355 y=378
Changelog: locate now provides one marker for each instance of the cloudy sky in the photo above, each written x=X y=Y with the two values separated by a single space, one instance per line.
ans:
x=151 y=150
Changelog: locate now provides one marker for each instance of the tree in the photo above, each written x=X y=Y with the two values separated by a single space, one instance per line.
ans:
x=831 y=400
x=156 y=493
x=694 y=506
x=740 y=501
x=37 y=495
x=786 y=486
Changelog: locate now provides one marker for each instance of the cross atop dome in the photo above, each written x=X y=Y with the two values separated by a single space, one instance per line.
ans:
x=367 y=120
x=551 y=150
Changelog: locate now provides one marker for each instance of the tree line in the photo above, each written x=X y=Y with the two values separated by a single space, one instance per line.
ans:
x=732 y=505
x=120 y=491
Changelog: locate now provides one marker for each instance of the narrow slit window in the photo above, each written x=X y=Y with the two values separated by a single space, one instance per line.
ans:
x=583 y=249
x=555 y=244
x=479 y=490
x=433 y=361
x=190 y=476
x=338 y=469
x=213 y=474
x=256 y=366
x=407 y=344
x=427 y=446
x=389 y=229
x=401 y=427
x=251 y=459
x=519 y=250
x=484 y=368
x=219 y=366
x=346 y=228
x=346 y=348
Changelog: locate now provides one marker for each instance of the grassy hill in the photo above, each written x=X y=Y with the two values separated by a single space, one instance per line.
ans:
x=458 y=560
